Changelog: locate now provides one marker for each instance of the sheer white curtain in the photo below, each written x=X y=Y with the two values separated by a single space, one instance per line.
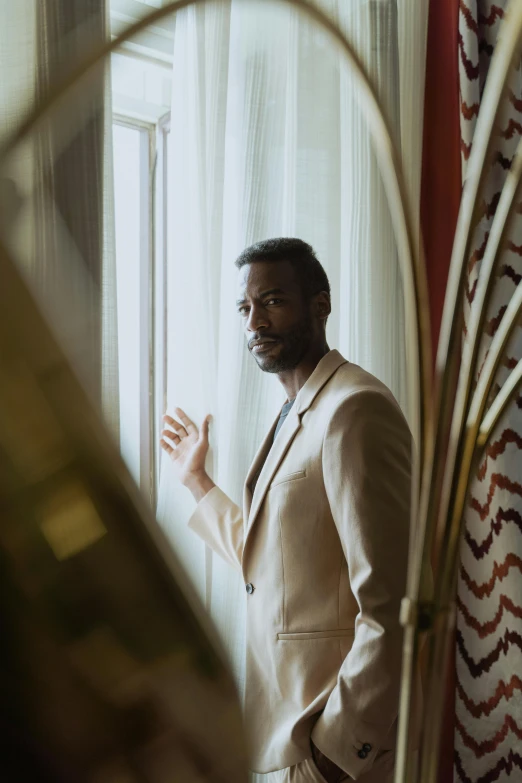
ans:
x=267 y=140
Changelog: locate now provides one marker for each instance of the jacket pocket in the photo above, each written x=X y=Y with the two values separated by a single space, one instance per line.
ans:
x=298 y=474
x=304 y=635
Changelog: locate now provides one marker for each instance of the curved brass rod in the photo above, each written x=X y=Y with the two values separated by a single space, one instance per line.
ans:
x=476 y=441
x=410 y=258
x=434 y=696
x=496 y=86
x=448 y=359
x=466 y=423
x=435 y=501
x=476 y=444
x=486 y=281
x=460 y=485
x=499 y=405
x=492 y=363
x=504 y=59
x=404 y=771
x=474 y=433
x=448 y=353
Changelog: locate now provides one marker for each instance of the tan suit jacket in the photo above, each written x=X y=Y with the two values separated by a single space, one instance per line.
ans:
x=322 y=545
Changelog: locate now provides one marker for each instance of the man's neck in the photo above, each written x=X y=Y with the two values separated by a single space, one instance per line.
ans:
x=293 y=380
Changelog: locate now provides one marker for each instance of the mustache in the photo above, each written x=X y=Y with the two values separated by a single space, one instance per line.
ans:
x=256 y=338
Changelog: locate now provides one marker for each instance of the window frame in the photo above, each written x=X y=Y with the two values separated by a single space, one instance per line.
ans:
x=159 y=317
x=147 y=153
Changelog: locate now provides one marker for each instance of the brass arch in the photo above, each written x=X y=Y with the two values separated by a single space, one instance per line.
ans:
x=444 y=481
x=409 y=251
x=411 y=261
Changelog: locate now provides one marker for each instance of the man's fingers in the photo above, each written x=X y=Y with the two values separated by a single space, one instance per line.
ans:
x=171 y=435
x=187 y=427
x=166 y=446
x=188 y=423
x=180 y=429
x=204 y=428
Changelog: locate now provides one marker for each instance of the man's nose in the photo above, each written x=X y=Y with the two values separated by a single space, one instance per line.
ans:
x=257 y=320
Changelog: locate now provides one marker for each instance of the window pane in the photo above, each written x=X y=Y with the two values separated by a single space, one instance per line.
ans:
x=127 y=196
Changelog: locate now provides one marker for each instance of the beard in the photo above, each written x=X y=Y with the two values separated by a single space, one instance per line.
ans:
x=289 y=351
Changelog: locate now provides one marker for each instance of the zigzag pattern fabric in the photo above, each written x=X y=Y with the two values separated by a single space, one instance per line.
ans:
x=488 y=739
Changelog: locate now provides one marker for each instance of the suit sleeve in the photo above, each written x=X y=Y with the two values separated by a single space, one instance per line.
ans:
x=219 y=522
x=367 y=454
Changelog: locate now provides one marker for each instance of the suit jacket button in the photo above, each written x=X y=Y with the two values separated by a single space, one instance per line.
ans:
x=362 y=753
x=367 y=747
x=250 y=588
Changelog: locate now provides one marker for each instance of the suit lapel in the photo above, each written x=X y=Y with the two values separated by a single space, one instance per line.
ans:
x=255 y=468
x=273 y=460
x=272 y=455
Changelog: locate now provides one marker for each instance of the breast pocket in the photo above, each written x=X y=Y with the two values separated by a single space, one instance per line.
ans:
x=296 y=475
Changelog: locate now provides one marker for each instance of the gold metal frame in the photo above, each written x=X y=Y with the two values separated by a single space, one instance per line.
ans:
x=451 y=430
x=412 y=267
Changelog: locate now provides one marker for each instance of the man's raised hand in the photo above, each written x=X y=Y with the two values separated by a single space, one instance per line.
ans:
x=187 y=446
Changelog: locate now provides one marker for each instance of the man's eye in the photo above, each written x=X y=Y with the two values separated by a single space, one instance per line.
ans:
x=242 y=310
x=273 y=301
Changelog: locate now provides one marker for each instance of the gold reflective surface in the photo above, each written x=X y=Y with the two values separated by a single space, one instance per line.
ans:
x=110 y=671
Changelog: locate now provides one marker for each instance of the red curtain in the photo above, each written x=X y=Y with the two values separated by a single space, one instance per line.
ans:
x=440 y=200
x=441 y=167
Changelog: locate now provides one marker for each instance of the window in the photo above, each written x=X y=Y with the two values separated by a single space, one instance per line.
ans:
x=141 y=74
x=140 y=160
x=132 y=165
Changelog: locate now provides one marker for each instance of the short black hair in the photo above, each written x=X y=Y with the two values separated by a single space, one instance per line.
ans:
x=301 y=255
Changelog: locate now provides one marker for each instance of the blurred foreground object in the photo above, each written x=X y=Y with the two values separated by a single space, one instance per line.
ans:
x=107 y=673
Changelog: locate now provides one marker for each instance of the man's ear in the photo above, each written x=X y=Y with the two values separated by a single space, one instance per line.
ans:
x=322 y=305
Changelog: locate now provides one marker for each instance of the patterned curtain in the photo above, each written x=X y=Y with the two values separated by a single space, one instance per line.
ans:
x=488 y=739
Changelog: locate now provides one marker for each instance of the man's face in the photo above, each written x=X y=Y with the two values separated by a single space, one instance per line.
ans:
x=277 y=320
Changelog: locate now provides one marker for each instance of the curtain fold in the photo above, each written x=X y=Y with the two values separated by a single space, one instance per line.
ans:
x=267 y=140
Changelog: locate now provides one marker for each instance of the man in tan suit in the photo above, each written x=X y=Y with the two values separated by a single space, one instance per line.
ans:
x=322 y=539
